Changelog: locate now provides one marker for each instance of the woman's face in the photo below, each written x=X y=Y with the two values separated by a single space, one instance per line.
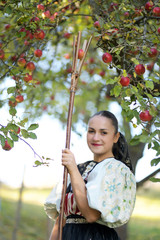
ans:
x=101 y=137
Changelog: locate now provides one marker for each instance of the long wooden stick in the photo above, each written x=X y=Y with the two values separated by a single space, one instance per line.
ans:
x=74 y=80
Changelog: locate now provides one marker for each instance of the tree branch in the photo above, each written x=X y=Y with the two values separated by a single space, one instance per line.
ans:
x=140 y=183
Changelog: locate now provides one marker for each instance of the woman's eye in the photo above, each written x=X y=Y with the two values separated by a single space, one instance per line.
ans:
x=104 y=133
x=90 y=131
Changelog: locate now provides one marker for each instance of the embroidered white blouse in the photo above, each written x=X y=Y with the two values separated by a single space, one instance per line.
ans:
x=111 y=189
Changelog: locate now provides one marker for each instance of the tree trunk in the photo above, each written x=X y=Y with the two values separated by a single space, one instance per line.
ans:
x=18 y=211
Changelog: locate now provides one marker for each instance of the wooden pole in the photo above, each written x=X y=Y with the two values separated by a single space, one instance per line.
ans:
x=74 y=80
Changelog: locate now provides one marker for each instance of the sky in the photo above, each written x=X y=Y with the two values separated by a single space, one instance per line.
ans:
x=19 y=161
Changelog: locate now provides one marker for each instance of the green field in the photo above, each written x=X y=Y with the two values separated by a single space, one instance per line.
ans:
x=144 y=224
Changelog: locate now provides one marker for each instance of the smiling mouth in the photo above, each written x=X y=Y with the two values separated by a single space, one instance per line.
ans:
x=96 y=145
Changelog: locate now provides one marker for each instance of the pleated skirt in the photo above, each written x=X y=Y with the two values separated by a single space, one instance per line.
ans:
x=88 y=231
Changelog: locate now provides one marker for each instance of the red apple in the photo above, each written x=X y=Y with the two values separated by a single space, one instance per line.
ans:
x=52 y=97
x=102 y=73
x=38 y=53
x=69 y=69
x=1 y=54
x=106 y=57
x=35 y=19
x=21 y=62
x=44 y=108
x=27 y=78
x=145 y=116
x=18 y=131
x=39 y=34
x=67 y=35
x=12 y=103
x=40 y=7
x=126 y=14
x=19 y=98
x=97 y=25
x=91 y=60
x=46 y=14
x=139 y=69
x=124 y=81
x=52 y=18
x=150 y=66
x=158 y=30
x=138 y=12
x=14 y=58
x=156 y=11
x=91 y=71
x=7 y=147
x=26 y=43
x=83 y=82
x=153 y=53
x=7 y=26
x=149 y=5
x=80 y=54
x=67 y=56
x=29 y=35
x=113 y=6
x=30 y=66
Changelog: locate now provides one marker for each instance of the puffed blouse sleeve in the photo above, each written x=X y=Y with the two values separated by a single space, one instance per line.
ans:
x=53 y=201
x=111 y=189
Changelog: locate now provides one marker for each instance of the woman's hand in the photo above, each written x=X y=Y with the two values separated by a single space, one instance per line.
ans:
x=68 y=160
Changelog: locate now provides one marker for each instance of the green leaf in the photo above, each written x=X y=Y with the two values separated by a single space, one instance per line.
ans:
x=32 y=135
x=112 y=80
x=155 y=161
x=134 y=141
x=8 y=9
x=25 y=134
x=23 y=122
x=135 y=61
x=117 y=90
x=157 y=124
x=10 y=141
x=38 y=163
x=33 y=127
x=11 y=90
x=13 y=136
x=12 y=111
x=149 y=84
x=153 y=179
x=2 y=139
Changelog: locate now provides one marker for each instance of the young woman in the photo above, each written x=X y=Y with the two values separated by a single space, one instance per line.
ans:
x=101 y=193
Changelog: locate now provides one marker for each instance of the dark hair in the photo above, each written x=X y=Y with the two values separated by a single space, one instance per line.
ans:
x=120 y=149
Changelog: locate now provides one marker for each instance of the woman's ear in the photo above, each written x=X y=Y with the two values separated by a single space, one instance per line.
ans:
x=116 y=137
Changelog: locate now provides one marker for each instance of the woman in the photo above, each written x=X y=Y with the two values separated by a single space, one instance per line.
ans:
x=101 y=193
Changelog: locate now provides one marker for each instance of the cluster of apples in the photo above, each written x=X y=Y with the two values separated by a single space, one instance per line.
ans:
x=125 y=80
x=139 y=68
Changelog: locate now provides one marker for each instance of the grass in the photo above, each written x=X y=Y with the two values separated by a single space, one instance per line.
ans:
x=144 y=223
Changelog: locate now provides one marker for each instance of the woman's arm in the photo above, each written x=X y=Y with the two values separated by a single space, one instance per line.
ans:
x=78 y=186
x=54 y=233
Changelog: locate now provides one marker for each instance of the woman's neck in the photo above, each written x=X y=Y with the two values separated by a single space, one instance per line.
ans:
x=99 y=158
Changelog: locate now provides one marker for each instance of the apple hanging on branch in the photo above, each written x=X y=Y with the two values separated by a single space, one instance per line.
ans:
x=139 y=69
x=6 y=146
x=124 y=81
x=107 y=57
x=145 y=116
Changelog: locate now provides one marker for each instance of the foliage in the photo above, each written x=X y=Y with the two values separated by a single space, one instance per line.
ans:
x=127 y=30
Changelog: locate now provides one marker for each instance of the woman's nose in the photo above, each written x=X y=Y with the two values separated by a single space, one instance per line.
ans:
x=96 y=136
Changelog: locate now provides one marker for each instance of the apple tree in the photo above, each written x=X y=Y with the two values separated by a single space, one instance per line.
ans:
x=122 y=64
